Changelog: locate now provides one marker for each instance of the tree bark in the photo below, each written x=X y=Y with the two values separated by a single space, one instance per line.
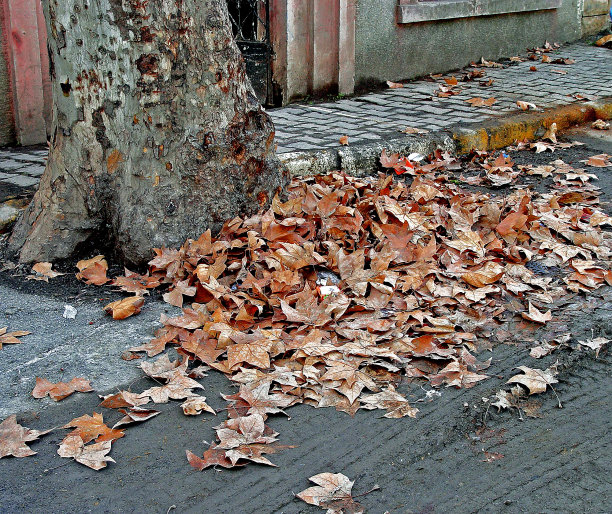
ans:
x=157 y=134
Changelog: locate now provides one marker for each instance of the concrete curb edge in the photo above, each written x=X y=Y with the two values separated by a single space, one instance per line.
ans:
x=493 y=134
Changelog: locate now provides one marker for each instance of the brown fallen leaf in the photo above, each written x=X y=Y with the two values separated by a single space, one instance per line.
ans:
x=177 y=388
x=212 y=457
x=488 y=274
x=93 y=456
x=526 y=105
x=599 y=161
x=394 y=403
x=605 y=41
x=394 y=85
x=43 y=271
x=89 y=428
x=135 y=415
x=541 y=146
x=595 y=344
x=551 y=133
x=125 y=308
x=600 y=125
x=175 y=297
x=535 y=315
x=11 y=337
x=535 y=380
x=194 y=406
x=332 y=489
x=122 y=399
x=60 y=390
x=13 y=438
x=413 y=130
x=93 y=271
x=490 y=64
x=481 y=102
x=344 y=141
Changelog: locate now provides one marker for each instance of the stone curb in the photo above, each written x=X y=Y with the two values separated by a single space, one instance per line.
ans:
x=493 y=134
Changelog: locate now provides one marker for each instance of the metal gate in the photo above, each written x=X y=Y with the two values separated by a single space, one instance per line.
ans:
x=251 y=26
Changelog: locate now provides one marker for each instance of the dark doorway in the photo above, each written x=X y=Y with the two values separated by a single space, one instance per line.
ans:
x=251 y=26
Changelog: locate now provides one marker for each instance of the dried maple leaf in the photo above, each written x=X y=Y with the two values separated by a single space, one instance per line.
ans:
x=600 y=125
x=60 y=390
x=89 y=428
x=526 y=105
x=394 y=403
x=551 y=133
x=244 y=430
x=394 y=85
x=481 y=102
x=194 y=406
x=605 y=41
x=13 y=438
x=175 y=297
x=255 y=353
x=93 y=456
x=595 y=344
x=125 y=308
x=599 y=161
x=488 y=274
x=11 y=337
x=178 y=388
x=135 y=415
x=158 y=344
x=122 y=399
x=43 y=271
x=413 y=130
x=331 y=489
x=537 y=352
x=164 y=368
x=535 y=315
x=535 y=380
x=93 y=271
x=135 y=283
x=540 y=147
x=344 y=140
x=255 y=398
x=212 y=457
x=254 y=453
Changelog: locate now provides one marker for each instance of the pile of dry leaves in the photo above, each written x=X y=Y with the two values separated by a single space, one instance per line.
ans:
x=334 y=295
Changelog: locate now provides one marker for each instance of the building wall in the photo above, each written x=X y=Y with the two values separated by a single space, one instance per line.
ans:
x=595 y=16
x=7 y=123
x=386 y=50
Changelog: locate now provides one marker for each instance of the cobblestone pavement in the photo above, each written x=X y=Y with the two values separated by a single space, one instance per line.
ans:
x=20 y=169
x=376 y=116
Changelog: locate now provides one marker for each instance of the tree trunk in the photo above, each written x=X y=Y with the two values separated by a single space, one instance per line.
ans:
x=157 y=134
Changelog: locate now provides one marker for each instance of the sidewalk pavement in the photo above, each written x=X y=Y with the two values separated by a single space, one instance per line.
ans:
x=308 y=135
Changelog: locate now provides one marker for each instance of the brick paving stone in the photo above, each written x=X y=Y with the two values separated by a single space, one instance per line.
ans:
x=33 y=170
x=11 y=165
x=22 y=180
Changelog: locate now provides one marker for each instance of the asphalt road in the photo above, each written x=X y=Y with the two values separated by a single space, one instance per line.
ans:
x=438 y=462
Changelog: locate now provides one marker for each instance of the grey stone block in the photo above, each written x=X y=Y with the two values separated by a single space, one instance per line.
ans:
x=11 y=165
x=22 y=181
x=33 y=170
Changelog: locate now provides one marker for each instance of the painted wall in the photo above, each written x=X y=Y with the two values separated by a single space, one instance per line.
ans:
x=388 y=51
x=7 y=123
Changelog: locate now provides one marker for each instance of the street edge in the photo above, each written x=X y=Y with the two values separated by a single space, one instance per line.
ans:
x=493 y=134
